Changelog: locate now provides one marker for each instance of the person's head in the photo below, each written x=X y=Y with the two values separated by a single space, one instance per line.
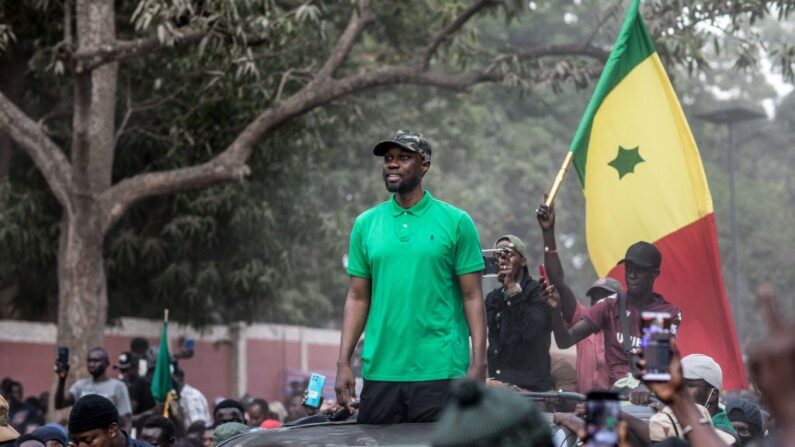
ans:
x=746 y=419
x=704 y=379
x=94 y=422
x=229 y=410
x=52 y=435
x=127 y=364
x=407 y=157
x=604 y=287
x=516 y=255
x=196 y=430
x=29 y=440
x=207 y=437
x=258 y=411
x=139 y=346
x=641 y=268
x=177 y=377
x=97 y=362
x=158 y=431
x=7 y=432
x=15 y=392
x=477 y=415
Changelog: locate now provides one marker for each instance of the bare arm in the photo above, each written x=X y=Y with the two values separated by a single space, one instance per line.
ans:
x=62 y=398
x=638 y=427
x=554 y=268
x=475 y=311
x=354 y=318
x=564 y=337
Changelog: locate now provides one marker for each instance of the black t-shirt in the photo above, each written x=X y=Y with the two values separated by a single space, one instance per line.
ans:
x=519 y=337
x=140 y=395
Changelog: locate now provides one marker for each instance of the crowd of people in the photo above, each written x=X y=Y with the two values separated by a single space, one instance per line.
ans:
x=415 y=266
x=121 y=411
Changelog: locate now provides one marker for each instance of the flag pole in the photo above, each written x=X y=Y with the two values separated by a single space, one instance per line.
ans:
x=559 y=178
x=170 y=395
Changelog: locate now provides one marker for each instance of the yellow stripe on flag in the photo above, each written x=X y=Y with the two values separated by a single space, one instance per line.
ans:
x=654 y=197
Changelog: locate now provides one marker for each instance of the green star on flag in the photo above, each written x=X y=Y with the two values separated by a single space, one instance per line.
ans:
x=626 y=160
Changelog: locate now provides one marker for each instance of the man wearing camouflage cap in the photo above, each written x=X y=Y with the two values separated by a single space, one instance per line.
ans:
x=518 y=321
x=414 y=264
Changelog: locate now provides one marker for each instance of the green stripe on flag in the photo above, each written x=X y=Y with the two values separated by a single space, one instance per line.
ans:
x=161 y=382
x=632 y=47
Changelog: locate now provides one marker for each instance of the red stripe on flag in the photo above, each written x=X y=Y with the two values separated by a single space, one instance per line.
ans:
x=691 y=279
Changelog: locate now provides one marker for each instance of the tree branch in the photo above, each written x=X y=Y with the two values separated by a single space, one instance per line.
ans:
x=357 y=23
x=47 y=156
x=126 y=49
x=451 y=29
x=564 y=50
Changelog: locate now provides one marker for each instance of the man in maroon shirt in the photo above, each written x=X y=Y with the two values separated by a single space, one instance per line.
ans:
x=642 y=264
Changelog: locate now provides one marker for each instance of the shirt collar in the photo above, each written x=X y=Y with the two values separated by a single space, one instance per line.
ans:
x=418 y=209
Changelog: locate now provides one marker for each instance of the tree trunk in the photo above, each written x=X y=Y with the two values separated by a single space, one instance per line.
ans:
x=82 y=291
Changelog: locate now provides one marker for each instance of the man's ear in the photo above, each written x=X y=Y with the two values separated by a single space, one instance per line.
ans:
x=426 y=164
x=524 y=262
x=113 y=429
x=656 y=273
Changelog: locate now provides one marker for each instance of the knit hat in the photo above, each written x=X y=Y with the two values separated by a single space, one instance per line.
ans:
x=92 y=411
x=228 y=430
x=700 y=366
x=489 y=416
x=743 y=410
x=51 y=432
x=7 y=432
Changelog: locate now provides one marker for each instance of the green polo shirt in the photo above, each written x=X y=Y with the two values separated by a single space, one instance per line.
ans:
x=416 y=329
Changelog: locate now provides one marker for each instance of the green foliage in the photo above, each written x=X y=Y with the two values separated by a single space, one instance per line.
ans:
x=270 y=248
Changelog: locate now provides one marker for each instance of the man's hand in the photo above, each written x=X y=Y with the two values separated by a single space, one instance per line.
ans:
x=640 y=395
x=61 y=370
x=477 y=372
x=552 y=297
x=345 y=386
x=505 y=275
x=546 y=216
x=568 y=420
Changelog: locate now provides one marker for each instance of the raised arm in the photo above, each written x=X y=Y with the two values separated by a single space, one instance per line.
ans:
x=475 y=312
x=568 y=302
x=354 y=318
x=63 y=398
x=564 y=337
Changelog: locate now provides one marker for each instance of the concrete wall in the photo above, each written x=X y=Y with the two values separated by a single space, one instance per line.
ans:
x=228 y=361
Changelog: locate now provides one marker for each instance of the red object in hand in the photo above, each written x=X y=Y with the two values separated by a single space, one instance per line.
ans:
x=542 y=274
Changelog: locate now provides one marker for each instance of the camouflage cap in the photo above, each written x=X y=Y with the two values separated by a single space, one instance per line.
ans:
x=409 y=140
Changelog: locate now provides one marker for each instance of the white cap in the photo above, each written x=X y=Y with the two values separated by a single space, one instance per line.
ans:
x=700 y=366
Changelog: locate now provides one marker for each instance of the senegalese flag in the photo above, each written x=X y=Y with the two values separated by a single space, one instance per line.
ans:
x=643 y=180
x=161 y=381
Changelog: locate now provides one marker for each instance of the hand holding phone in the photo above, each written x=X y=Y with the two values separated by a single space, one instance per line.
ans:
x=601 y=418
x=656 y=344
x=62 y=361
x=542 y=275
x=314 y=391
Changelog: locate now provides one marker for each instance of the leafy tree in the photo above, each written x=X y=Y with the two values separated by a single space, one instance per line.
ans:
x=205 y=84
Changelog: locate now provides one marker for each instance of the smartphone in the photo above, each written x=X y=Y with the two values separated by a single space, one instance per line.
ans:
x=656 y=344
x=62 y=358
x=542 y=275
x=314 y=391
x=602 y=410
x=491 y=261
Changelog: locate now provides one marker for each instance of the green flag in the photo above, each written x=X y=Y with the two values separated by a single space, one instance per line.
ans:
x=161 y=382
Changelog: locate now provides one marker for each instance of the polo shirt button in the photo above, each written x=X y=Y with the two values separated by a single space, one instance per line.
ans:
x=509 y=303
x=498 y=371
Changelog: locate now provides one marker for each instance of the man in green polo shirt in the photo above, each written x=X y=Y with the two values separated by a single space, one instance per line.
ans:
x=414 y=263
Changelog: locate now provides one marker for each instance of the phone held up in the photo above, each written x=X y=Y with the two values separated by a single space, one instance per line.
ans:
x=656 y=344
x=542 y=276
x=601 y=418
x=314 y=391
x=492 y=261
x=62 y=357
